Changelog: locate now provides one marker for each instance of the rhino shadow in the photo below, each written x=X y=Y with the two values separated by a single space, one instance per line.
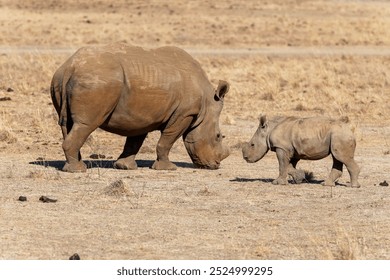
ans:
x=109 y=164
x=268 y=180
x=244 y=180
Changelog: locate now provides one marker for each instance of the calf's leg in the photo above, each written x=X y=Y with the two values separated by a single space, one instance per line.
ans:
x=353 y=170
x=284 y=163
x=352 y=167
x=335 y=173
x=297 y=175
x=343 y=150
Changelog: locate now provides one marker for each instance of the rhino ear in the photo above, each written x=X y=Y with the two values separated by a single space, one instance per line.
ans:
x=263 y=121
x=222 y=89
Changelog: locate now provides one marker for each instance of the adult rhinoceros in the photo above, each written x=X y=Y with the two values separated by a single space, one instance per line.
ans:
x=131 y=91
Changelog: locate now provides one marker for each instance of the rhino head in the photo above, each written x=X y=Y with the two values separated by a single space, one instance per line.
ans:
x=258 y=146
x=203 y=140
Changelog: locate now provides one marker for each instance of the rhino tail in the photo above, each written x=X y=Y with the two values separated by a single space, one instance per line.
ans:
x=65 y=120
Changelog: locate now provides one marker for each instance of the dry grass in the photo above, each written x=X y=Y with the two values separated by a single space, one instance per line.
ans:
x=334 y=86
x=117 y=189
x=338 y=245
x=223 y=24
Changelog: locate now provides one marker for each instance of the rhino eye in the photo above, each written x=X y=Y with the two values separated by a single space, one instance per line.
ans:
x=219 y=136
x=252 y=144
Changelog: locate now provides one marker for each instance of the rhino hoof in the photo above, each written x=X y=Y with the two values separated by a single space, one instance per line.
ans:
x=163 y=165
x=75 y=167
x=328 y=183
x=355 y=186
x=279 y=181
x=126 y=165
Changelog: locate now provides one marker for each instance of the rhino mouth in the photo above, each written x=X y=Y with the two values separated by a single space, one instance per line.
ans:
x=249 y=160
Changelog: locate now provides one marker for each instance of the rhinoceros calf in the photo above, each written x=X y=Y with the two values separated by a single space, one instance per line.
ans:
x=131 y=91
x=313 y=138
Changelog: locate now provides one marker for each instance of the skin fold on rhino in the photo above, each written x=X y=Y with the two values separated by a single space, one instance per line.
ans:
x=132 y=91
x=312 y=138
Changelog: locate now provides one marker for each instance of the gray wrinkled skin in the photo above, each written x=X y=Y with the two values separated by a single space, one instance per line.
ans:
x=293 y=139
x=132 y=91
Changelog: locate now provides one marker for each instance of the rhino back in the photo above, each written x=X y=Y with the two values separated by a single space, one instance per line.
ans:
x=144 y=69
x=305 y=138
x=157 y=84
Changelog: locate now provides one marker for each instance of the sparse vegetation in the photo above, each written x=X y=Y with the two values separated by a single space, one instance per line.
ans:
x=117 y=189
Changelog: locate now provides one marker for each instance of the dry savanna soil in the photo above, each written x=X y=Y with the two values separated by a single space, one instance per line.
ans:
x=230 y=213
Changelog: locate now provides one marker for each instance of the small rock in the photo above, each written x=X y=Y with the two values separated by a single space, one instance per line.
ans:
x=75 y=257
x=5 y=98
x=384 y=184
x=22 y=198
x=46 y=199
x=10 y=89
x=97 y=156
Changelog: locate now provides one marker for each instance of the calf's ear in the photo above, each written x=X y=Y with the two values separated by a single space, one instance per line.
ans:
x=222 y=89
x=263 y=121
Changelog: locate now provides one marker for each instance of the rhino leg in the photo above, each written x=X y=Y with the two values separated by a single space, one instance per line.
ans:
x=343 y=151
x=127 y=159
x=284 y=163
x=353 y=170
x=72 y=145
x=335 y=173
x=168 y=137
x=352 y=167
x=297 y=175
x=162 y=162
x=89 y=107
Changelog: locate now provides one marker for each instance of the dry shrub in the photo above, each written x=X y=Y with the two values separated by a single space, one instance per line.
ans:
x=348 y=248
x=267 y=97
x=300 y=107
x=37 y=174
x=309 y=176
x=343 y=245
x=6 y=136
x=205 y=192
x=117 y=189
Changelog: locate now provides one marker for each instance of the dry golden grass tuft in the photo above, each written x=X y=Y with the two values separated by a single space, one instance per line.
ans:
x=205 y=191
x=344 y=245
x=6 y=136
x=117 y=189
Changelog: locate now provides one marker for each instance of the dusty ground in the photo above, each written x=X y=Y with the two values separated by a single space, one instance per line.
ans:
x=234 y=212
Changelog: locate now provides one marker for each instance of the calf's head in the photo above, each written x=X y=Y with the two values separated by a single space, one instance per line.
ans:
x=203 y=140
x=258 y=146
